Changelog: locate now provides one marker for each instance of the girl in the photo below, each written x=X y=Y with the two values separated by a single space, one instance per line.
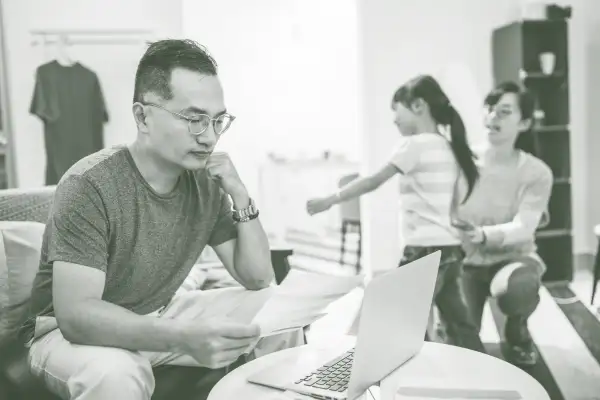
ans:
x=430 y=166
x=500 y=219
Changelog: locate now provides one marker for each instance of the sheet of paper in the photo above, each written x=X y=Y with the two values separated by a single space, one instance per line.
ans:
x=450 y=391
x=301 y=299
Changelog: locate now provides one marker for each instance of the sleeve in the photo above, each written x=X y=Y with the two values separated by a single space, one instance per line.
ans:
x=225 y=229
x=79 y=221
x=532 y=211
x=406 y=155
x=40 y=106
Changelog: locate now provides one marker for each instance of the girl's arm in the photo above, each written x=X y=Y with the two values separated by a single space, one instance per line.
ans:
x=361 y=186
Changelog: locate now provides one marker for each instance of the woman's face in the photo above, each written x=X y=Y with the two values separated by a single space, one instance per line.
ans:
x=504 y=121
x=405 y=119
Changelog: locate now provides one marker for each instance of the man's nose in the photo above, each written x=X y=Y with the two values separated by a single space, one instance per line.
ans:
x=208 y=137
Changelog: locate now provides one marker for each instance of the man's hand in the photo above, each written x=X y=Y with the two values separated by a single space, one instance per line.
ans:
x=217 y=343
x=221 y=168
x=316 y=206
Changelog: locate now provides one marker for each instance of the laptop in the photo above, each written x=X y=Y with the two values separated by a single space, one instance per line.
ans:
x=391 y=330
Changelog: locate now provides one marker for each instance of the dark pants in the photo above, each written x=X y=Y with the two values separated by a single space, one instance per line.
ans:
x=460 y=327
x=515 y=284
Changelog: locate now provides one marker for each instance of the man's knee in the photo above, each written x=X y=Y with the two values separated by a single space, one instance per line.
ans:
x=516 y=287
x=97 y=372
x=116 y=371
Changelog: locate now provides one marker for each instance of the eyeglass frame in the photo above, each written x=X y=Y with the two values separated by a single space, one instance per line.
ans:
x=189 y=120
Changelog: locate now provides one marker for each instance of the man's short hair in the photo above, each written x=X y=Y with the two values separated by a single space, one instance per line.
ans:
x=154 y=69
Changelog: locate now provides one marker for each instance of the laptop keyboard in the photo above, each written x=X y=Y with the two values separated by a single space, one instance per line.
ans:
x=334 y=375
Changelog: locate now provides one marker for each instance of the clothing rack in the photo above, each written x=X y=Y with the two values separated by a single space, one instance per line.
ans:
x=90 y=36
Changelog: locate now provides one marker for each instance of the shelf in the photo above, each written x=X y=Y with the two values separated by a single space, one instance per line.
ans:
x=523 y=75
x=552 y=233
x=551 y=128
x=562 y=181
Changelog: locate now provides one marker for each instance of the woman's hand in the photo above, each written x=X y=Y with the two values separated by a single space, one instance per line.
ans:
x=469 y=232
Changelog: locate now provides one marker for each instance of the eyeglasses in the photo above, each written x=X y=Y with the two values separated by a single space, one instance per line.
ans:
x=199 y=123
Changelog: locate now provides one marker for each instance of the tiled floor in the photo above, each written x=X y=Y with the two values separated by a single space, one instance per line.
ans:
x=565 y=326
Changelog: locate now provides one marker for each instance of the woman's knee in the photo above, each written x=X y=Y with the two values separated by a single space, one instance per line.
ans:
x=516 y=286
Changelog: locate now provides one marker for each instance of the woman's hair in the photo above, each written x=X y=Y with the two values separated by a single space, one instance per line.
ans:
x=526 y=139
x=425 y=87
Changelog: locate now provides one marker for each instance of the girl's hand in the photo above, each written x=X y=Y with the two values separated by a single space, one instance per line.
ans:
x=315 y=206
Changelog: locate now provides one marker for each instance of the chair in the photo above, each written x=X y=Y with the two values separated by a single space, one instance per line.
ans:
x=350 y=214
x=596 y=275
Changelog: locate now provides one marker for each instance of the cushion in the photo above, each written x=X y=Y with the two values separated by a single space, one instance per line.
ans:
x=20 y=246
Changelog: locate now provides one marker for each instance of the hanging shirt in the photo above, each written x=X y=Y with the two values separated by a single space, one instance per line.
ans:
x=69 y=101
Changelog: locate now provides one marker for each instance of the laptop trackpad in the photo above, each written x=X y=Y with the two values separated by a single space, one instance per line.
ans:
x=282 y=373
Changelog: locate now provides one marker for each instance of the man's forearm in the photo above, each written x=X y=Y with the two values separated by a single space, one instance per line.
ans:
x=99 y=323
x=252 y=257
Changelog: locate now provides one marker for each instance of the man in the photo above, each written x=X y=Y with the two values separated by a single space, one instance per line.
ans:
x=126 y=227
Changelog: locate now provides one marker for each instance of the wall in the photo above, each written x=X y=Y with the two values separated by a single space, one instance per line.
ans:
x=398 y=40
x=288 y=76
x=591 y=47
x=114 y=64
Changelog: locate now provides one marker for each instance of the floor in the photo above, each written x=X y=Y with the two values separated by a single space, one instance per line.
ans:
x=565 y=326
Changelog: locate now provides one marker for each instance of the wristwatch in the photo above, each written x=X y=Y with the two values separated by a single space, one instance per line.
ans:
x=246 y=214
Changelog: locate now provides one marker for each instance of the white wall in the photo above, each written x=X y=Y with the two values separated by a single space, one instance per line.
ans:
x=114 y=65
x=397 y=41
x=590 y=162
x=289 y=73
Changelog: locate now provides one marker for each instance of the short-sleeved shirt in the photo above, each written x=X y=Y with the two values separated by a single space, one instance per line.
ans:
x=106 y=216
x=70 y=103
x=429 y=173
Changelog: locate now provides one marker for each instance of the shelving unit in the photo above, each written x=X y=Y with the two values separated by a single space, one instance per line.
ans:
x=516 y=50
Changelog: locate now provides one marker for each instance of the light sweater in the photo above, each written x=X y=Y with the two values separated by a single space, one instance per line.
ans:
x=510 y=203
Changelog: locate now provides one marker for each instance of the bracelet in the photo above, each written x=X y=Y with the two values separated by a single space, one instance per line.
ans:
x=245 y=218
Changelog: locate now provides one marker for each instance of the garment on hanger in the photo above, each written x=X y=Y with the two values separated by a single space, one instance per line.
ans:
x=69 y=101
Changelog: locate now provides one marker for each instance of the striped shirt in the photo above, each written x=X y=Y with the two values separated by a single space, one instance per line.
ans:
x=428 y=175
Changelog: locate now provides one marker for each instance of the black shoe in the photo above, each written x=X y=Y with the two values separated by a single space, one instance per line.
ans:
x=521 y=354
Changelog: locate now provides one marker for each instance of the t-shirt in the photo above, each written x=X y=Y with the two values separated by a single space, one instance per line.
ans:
x=106 y=216
x=429 y=173
x=70 y=102
x=510 y=203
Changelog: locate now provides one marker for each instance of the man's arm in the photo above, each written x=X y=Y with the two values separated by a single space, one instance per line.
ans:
x=247 y=258
x=84 y=318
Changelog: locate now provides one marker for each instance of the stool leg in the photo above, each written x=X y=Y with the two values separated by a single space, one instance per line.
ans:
x=343 y=249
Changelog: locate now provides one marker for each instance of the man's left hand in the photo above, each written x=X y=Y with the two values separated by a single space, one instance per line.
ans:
x=221 y=168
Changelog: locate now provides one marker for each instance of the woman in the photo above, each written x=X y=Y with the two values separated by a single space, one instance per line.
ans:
x=429 y=163
x=499 y=220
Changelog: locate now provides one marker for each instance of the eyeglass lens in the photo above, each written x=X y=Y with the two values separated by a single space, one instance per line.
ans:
x=220 y=124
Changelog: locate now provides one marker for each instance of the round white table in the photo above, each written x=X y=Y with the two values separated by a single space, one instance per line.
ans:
x=436 y=363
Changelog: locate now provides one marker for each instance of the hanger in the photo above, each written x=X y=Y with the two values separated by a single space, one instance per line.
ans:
x=62 y=53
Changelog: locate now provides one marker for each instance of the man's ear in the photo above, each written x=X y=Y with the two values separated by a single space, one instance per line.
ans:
x=139 y=115
x=525 y=125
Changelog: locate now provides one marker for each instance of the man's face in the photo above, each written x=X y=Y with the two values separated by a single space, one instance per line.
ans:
x=193 y=94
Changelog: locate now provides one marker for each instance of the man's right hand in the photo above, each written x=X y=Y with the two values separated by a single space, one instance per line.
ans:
x=217 y=343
